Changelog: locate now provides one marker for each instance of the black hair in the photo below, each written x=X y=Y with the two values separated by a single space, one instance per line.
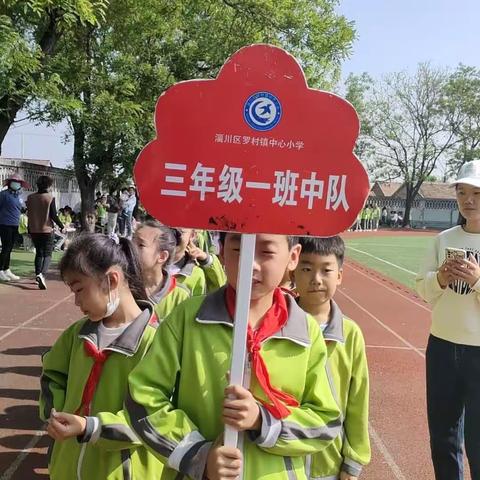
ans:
x=92 y=254
x=166 y=240
x=44 y=182
x=291 y=240
x=324 y=246
x=177 y=235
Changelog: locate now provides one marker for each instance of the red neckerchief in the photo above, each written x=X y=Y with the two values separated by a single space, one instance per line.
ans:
x=99 y=358
x=275 y=318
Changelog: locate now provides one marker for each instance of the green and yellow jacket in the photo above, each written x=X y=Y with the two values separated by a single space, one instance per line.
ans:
x=167 y=298
x=348 y=373
x=175 y=395
x=201 y=278
x=115 y=453
x=215 y=276
x=188 y=273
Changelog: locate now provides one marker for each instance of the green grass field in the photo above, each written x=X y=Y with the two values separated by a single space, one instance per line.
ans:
x=396 y=257
x=21 y=262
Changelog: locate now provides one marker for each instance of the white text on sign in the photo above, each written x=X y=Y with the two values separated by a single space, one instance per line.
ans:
x=287 y=187
x=259 y=141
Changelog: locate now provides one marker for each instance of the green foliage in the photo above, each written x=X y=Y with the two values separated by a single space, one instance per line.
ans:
x=29 y=34
x=357 y=88
x=408 y=130
x=106 y=77
x=461 y=103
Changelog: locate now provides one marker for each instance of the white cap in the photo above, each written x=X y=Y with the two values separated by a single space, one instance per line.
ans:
x=469 y=173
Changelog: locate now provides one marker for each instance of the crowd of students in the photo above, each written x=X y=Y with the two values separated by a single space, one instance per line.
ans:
x=371 y=218
x=139 y=387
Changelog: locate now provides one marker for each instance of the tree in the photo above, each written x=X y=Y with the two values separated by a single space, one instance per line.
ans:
x=357 y=88
x=110 y=75
x=409 y=131
x=462 y=104
x=29 y=34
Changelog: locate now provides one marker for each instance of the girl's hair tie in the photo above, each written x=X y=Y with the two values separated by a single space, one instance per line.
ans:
x=114 y=237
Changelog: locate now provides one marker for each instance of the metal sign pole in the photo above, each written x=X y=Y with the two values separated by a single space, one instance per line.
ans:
x=242 y=308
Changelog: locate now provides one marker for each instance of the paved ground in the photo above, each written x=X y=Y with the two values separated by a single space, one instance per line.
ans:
x=394 y=321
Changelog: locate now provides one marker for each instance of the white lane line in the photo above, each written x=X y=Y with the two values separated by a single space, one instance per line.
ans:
x=390 y=347
x=359 y=244
x=42 y=329
x=381 y=260
x=23 y=324
x=386 y=454
x=388 y=288
x=386 y=327
x=8 y=473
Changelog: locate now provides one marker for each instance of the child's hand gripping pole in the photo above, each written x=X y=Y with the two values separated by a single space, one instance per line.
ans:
x=242 y=308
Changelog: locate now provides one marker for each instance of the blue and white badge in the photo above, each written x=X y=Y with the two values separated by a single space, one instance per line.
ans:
x=262 y=111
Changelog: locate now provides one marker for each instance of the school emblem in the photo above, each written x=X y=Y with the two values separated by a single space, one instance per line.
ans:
x=262 y=111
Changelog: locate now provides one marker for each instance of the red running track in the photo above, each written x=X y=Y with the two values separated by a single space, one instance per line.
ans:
x=394 y=321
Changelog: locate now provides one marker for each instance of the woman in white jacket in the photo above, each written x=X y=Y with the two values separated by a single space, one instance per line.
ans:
x=452 y=287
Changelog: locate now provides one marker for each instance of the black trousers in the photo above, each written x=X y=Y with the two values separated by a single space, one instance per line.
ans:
x=8 y=234
x=453 y=405
x=43 y=243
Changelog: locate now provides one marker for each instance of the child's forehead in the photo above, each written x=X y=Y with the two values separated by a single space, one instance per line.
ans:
x=261 y=238
x=145 y=232
x=313 y=257
x=72 y=278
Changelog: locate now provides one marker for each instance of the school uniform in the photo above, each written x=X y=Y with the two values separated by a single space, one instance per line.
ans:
x=175 y=406
x=214 y=272
x=348 y=374
x=168 y=296
x=109 y=449
x=188 y=273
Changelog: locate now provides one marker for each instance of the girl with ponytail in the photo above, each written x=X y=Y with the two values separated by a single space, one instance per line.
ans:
x=84 y=378
x=156 y=246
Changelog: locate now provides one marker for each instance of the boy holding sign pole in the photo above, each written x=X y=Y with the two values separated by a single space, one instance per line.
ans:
x=277 y=162
x=179 y=407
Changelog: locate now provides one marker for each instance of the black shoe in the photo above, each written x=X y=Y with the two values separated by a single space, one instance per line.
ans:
x=41 y=281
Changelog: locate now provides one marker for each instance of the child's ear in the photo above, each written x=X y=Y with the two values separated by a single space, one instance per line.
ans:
x=114 y=278
x=163 y=257
x=294 y=257
x=340 y=276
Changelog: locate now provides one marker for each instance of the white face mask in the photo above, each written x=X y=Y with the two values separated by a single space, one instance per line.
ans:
x=113 y=303
x=15 y=186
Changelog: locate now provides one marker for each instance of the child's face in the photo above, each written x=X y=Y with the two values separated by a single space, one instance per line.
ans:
x=146 y=239
x=272 y=258
x=317 y=277
x=468 y=199
x=91 y=295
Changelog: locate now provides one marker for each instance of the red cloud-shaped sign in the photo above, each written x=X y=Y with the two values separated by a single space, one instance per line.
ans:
x=253 y=151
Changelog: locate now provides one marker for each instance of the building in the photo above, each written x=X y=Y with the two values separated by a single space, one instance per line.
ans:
x=434 y=207
x=65 y=187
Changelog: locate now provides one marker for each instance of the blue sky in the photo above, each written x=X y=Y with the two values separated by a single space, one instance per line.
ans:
x=395 y=35
x=392 y=35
